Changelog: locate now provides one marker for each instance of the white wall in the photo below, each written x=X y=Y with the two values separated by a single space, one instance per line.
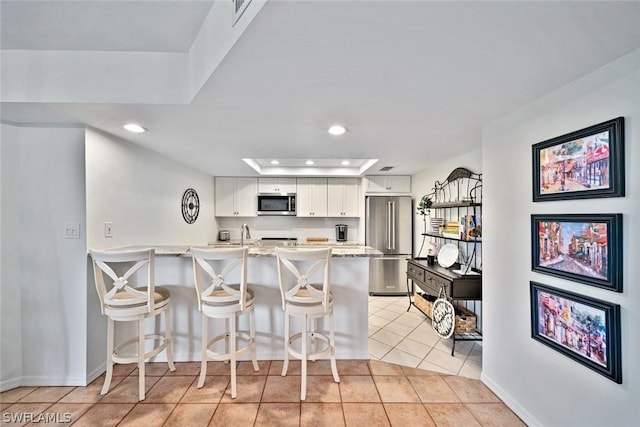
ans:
x=543 y=386
x=47 y=283
x=10 y=308
x=140 y=193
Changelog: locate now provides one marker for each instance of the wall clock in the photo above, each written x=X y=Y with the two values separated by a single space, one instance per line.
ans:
x=190 y=206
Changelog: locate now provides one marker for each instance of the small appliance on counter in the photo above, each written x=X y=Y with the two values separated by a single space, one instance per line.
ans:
x=224 y=235
x=341 y=232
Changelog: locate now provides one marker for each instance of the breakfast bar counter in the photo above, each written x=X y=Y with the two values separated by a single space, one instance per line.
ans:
x=350 y=286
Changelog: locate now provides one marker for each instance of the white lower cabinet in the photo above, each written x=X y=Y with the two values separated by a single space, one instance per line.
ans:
x=343 y=197
x=311 y=199
x=236 y=196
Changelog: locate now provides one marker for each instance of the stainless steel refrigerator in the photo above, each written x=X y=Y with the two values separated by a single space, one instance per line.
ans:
x=388 y=228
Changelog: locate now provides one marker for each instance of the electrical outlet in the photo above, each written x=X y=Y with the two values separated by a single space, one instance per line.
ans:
x=108 y=229
x=72 y=230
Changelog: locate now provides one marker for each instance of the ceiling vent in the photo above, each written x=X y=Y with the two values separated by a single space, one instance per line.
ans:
x=386 y=169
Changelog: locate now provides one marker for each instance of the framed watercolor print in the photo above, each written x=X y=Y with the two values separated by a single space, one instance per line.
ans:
x=585 y=164
x=584 y=329
x=586 y=248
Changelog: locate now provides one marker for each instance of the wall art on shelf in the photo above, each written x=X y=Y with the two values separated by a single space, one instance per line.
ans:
x=584 y=329
x=586 y=248
x=585 y=164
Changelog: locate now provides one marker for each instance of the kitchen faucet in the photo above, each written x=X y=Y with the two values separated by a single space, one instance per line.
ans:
x=244 y=228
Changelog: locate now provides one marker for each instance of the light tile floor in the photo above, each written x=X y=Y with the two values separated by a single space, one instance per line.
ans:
x=411 y=379
x=370 y=393
x=408 y=339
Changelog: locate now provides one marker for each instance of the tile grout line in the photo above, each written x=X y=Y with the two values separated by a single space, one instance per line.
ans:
x=399 y=301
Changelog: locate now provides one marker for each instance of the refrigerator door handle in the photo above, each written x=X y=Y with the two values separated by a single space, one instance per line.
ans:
x=393 y=226
x=389 y=225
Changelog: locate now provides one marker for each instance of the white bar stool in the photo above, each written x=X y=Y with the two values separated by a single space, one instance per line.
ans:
x=309 y=301
x=122 y=303
x=218 y=299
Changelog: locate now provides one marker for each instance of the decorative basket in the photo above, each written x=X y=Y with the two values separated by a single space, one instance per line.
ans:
x=465 y=321
x=423 y=304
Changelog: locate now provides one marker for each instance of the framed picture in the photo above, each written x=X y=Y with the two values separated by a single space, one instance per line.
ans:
x=585 y=164
x=584 y=329
x=581 y=247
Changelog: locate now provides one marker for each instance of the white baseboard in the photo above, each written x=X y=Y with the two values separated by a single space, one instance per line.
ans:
x=508 y=400
x=10 y=383
x=96 y=373
x=45 y=381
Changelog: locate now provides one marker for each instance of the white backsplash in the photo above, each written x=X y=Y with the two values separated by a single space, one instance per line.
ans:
x=283 y=226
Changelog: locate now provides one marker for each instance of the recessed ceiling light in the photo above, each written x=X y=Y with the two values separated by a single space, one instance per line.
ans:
x=274 y=162
x=337 y=130
x=308 y=162
x=135 y=128
x=346 y=163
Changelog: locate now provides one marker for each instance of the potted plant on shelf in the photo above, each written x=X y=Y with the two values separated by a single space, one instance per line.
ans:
x=424 y=209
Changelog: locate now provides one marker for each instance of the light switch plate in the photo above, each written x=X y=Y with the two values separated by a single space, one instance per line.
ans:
x=108 y=229
x=72 y=230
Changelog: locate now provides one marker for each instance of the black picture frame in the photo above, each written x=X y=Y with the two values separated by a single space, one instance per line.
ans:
x=585 y=248
x=585 y=164
x=582 y=328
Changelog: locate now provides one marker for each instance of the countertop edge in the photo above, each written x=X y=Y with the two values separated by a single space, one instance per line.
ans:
x=255 y=251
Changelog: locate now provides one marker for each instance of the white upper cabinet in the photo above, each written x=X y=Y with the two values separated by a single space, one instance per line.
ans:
x=276 y=185
x=236 y=196
x=388 y=184
x=311 y=199
x=343 y=197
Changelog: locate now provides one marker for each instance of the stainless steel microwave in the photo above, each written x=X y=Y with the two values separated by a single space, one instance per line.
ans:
x=276 y=204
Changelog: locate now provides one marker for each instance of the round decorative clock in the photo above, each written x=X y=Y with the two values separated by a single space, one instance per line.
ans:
x=443 y=317
x=190 y=206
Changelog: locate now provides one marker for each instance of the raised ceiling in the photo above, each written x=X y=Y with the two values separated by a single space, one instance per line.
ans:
x=414 y=81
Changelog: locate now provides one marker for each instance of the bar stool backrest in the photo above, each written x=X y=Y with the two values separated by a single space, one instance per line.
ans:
x=303 y=275
x=212 y=269
x=112 y=284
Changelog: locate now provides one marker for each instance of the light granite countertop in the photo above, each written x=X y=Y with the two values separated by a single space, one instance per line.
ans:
x=339 y=250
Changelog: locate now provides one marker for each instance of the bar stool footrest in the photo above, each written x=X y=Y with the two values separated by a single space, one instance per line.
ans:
x=116 y=358
x=310 y=356
x=240 y=335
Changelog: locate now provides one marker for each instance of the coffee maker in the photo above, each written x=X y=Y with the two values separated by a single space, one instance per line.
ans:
x=341 y=232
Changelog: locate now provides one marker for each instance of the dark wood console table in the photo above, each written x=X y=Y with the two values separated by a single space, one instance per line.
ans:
x=430 y=278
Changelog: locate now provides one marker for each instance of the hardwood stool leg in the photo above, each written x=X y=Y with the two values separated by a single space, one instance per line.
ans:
x=167 y=337
x=233 y=355
x=205 y=341
x=332 y=345
x=252 y=337
x=109 y=373
x=141 y=373
x=287 y=326
x=303 y=374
